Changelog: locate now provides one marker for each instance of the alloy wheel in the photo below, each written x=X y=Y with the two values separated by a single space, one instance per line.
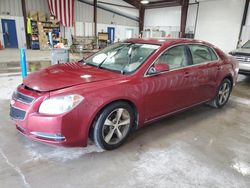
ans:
x=224 y=93
x=116 y=126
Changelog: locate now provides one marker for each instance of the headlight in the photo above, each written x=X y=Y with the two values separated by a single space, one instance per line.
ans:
x=60 y=104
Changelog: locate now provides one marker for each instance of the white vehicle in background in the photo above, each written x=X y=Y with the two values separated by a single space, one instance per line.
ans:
x=242 y=54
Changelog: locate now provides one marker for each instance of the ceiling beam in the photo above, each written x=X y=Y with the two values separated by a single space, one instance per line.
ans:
x=118 y=5
x=154 y=4
x=162 y=3
x=184 y=11
x=95 y=17
x=243 y=22
x=141 y=18
x=134 y=3
x=109 y=10
x=25 y=23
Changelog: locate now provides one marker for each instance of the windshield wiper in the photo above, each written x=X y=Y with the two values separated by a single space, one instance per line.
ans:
x=100 y=65
x=129 y=58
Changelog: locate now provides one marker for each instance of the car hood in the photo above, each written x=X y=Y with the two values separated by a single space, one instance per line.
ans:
x=66 y=75
x=242 y=51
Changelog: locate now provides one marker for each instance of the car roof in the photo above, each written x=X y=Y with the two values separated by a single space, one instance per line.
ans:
x=166 y=41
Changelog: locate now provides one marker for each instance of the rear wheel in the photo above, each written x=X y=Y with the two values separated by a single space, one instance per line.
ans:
x=113 y=125
x=223 y=94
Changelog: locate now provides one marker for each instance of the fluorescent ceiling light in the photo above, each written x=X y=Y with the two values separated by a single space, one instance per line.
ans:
x=144 y=2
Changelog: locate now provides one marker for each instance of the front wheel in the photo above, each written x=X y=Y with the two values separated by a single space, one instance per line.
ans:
x=113 y=125
x=223 y=94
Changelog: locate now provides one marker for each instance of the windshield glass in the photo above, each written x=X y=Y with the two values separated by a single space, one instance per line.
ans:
x=122 y=57
x=246 y=45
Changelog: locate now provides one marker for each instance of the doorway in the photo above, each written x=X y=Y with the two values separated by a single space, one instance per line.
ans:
x=111 y=34
x=9 y=33
x=129 y=33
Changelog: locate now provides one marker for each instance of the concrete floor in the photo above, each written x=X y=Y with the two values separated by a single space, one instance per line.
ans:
x=202 y=147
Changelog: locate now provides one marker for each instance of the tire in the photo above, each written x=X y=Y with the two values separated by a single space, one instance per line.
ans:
x=223 y=94
x=109 y=133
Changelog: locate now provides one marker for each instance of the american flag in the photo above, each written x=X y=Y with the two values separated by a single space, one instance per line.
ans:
x=63 y=10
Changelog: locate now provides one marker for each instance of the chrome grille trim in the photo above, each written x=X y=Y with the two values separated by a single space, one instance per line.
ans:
x=17 y=113
x=243 y=58
x=23 y=98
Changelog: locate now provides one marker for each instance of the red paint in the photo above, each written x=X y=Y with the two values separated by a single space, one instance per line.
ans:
x=153 y=96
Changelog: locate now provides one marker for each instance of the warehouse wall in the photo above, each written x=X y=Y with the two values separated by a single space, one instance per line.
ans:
x=84 y=22
x=120 y=30
x=172 y=17
x=83 y=12
x=106 y=17
x=191 y=18
x=219 y=22
x=13 y=10
x=170 y=24
x=11 y=7
x=19 y=27
x=245 y=35
x=37 y=5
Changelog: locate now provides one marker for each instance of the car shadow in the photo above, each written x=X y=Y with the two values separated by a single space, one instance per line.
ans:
x=177 y=124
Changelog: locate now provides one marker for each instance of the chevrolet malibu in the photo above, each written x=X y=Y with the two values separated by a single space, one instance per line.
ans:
x=119 y=89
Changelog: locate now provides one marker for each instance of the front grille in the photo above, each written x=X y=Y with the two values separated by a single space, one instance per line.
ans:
x=23 y=98
x=16 y=113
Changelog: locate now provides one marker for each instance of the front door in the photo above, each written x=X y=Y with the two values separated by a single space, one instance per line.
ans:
x=172 y=90
x=9 y=33
x=111 y=34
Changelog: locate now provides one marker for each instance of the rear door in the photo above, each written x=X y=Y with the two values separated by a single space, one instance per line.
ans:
x=205 y=71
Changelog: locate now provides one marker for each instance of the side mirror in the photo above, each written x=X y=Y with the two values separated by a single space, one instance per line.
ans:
x=158 y=68
x=161 y=67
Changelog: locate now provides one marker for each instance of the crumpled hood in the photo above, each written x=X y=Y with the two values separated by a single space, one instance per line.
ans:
x=66 y=75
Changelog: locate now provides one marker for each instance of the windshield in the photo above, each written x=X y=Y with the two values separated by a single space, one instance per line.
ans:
x=122 y=57
x=246 y=45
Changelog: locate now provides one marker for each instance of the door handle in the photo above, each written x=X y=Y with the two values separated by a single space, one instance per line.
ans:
x=186 y=74
x=219 y=67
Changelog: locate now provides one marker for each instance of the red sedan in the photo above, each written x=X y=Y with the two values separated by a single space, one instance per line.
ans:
x=121 y=88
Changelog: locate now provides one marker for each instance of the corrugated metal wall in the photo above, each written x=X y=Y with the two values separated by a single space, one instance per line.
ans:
x=84 y=13
x=83 y=17
x=37 y=5
x=107 y=17
x=11 y=7
x=14 y=7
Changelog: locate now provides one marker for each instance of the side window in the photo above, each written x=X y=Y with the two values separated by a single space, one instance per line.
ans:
x=175 y=57
x=201 y=54
x=213 y=55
